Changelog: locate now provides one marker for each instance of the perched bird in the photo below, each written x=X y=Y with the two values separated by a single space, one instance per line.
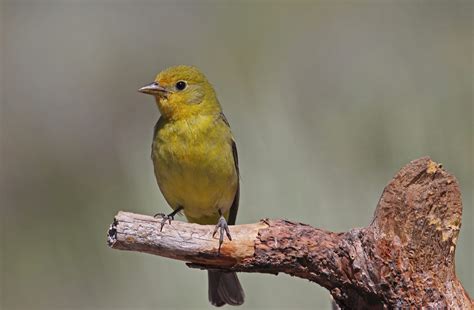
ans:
x=195 y=161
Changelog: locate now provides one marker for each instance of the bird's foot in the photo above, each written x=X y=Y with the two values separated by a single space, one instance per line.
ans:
x=164 y=218
x=222 y=227
x=169 y=217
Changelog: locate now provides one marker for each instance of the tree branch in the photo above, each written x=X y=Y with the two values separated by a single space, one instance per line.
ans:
x=404 y=259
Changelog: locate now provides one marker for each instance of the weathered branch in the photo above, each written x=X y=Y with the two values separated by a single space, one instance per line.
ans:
x=404 y=259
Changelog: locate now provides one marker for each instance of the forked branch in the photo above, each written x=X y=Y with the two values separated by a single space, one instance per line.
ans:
x=404 y=259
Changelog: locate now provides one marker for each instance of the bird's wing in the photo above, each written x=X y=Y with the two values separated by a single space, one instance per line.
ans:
x=235 y=204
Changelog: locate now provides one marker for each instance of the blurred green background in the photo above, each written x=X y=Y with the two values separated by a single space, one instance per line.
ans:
x=327 y=102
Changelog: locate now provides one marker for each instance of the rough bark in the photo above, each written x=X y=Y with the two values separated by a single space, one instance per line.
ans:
x=404 y=259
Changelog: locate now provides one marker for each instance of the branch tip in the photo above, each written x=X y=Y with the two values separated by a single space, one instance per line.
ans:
x=112 y=233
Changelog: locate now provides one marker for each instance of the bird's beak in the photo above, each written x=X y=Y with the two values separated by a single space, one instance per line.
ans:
x=153 y=89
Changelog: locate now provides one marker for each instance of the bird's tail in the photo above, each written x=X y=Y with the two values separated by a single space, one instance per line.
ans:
x=225 y=288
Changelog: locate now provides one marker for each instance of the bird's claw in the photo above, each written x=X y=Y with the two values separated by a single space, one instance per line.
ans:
x=222 y=227
x=164 y=218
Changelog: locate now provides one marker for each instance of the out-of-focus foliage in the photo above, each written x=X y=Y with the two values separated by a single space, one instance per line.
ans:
x=326 y=100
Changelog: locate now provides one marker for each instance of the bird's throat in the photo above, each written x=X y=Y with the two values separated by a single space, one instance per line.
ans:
x=173 y=111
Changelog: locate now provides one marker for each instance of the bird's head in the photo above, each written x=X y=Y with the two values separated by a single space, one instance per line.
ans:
x=181 y=92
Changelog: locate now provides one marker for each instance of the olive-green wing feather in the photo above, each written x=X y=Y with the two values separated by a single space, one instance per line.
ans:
x=235 y=204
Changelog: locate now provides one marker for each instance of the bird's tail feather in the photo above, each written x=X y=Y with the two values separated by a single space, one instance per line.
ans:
x=225 y=288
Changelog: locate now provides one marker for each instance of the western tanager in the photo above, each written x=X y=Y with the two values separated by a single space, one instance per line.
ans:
x=195 y=161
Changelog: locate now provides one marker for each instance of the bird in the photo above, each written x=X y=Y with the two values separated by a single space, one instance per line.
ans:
x=195 y=162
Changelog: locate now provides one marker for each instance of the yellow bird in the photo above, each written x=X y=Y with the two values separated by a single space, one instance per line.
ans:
x=195 y=161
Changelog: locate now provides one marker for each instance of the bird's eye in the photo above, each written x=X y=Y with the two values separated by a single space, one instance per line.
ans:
x=180 y=85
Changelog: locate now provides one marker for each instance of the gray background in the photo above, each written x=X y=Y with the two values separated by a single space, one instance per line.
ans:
x=327 y=101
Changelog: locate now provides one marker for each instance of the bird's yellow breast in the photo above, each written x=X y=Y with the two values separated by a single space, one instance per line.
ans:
x=194 y=166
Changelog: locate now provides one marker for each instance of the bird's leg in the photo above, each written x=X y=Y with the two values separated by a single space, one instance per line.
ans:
x=222 y=227
x=168 y=217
